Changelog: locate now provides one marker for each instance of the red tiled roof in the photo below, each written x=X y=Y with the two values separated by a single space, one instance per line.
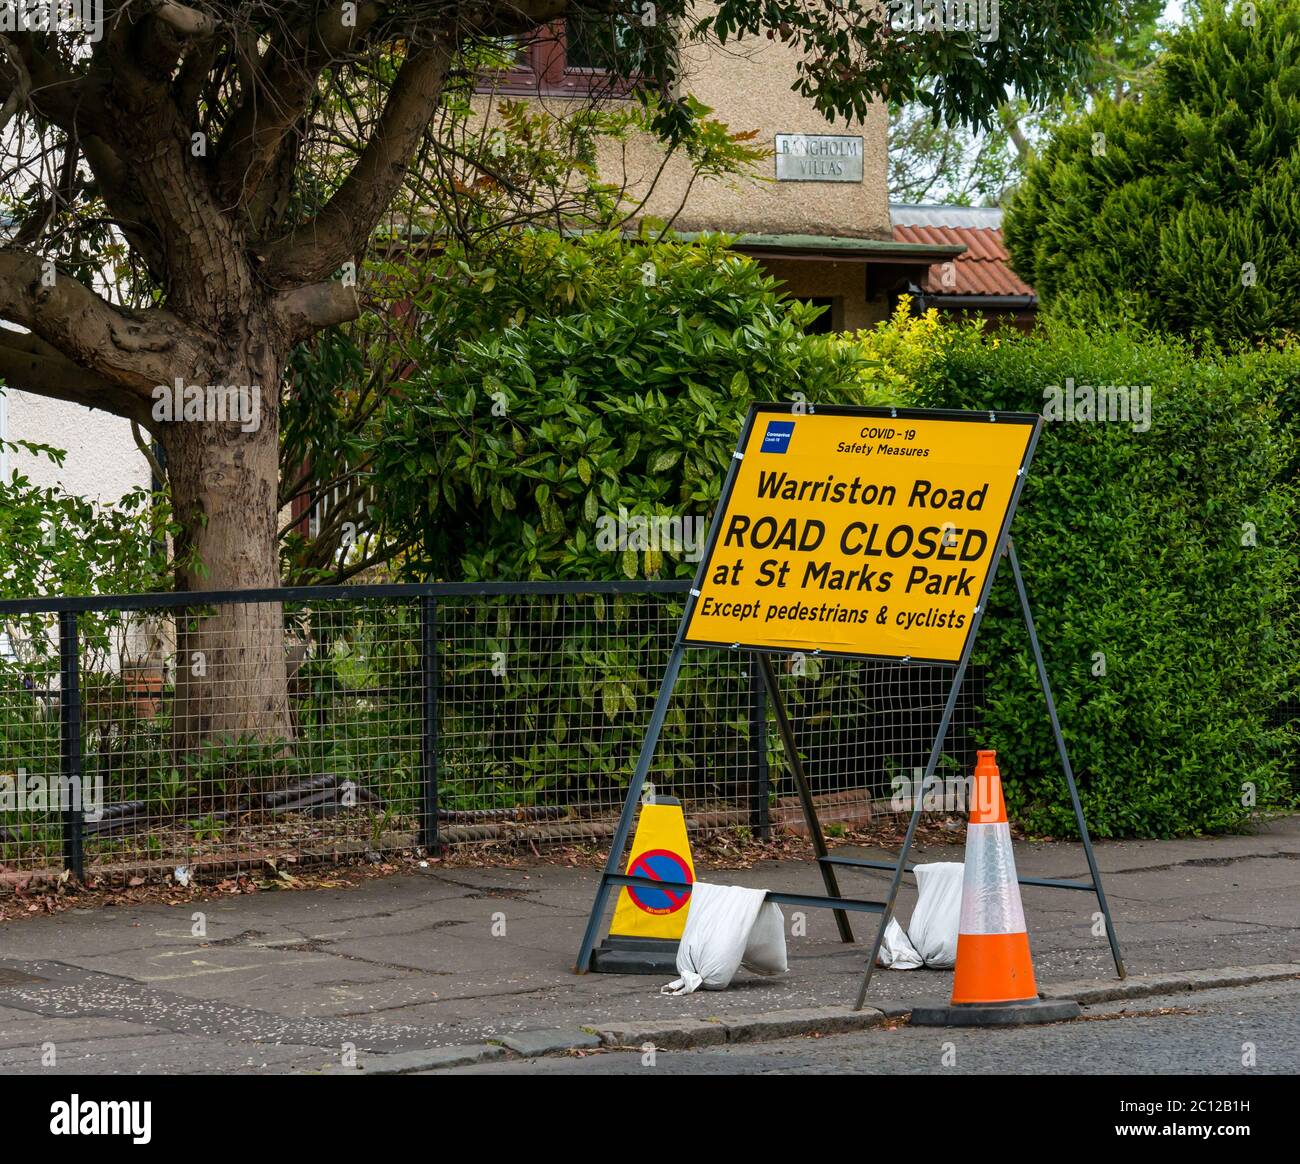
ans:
x=984 y=268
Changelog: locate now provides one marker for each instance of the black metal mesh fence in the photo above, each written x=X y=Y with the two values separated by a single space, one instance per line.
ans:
x=205 y=741
x=544 y=701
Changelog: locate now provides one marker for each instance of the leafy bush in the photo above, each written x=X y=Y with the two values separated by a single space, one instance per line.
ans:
x=1134 y=543
x=896 y=352
x=623 y=386
x=1160 y=566
x=86 y=548
x=614 y=384
x=1181 y=210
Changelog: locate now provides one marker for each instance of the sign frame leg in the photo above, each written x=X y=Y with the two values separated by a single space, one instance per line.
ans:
x=936 y=750
x=1066 y=766
x=786 y=730
x=618 y=846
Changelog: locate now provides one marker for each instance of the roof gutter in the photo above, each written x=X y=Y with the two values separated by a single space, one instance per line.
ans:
x=858 y=250
x=1002 y=302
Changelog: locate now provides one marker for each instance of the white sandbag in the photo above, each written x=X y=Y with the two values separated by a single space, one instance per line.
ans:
x=936 y=918
x=716 y=938
x=896 y=951
x=765 y=950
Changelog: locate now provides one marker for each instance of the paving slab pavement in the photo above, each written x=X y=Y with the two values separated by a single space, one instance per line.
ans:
x=445 y=957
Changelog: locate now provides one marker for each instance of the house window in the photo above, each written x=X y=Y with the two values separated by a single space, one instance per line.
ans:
x=601 y=44
x=576 y=55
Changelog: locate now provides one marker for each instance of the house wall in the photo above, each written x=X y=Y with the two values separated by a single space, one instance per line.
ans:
x=843 y=283
x=103 y=462
x=747 y=85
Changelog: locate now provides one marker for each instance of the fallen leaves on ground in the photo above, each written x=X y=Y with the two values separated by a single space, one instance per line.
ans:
x=722 y=849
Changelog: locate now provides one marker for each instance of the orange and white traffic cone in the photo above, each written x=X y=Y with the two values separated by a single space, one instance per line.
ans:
x=994 y=981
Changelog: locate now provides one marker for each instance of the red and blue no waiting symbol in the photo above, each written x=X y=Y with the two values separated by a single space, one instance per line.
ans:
x=660 y=865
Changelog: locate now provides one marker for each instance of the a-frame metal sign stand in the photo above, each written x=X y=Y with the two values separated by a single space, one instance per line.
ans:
x=833 y=899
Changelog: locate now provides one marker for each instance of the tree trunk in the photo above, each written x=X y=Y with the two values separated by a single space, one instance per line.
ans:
x=231 y=681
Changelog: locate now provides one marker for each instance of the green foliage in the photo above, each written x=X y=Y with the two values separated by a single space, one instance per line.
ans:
x=561 y=720
x=1134 y=543
x=1182 y=210
x=84 y=548
x=847 y=58
x=460 y=265
x=1165 y=555
x=610 y=379
x=619 y=384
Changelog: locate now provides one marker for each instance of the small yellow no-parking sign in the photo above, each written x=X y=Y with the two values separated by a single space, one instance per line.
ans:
x=661 y=852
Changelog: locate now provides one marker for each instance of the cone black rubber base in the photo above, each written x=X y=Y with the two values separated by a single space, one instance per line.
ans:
x=997 y=1014
x=619 y=955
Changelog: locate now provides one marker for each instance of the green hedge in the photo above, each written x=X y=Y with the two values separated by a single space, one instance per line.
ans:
x=628 y=394
x=1166 y=630
x=617 y=384
x=1180 y=210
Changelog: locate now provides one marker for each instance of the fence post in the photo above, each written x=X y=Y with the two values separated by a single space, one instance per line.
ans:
x=70 y=745
x=760 y=820
x=429 y=737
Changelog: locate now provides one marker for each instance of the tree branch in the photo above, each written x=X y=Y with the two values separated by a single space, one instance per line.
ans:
x=187 y=22
x=340 y=231
x=279 y=96
x=1024 y=148
x=125 y=203
x=61 y=194
x=155 y=466
x=166 y=32
x=386 y=553
x=134 y=351
x=303 y=311
x=13 y=73
x=30 y=365
x=72 y=101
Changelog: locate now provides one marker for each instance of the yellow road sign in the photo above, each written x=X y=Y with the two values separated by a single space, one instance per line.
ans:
x=860 y=532
x=661 y=852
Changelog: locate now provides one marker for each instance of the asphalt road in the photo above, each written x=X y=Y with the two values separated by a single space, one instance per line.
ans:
x=1204 y=1033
